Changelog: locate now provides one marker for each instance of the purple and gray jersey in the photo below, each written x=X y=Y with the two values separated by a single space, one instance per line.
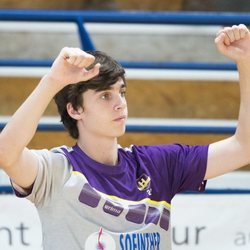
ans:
x=87 y=205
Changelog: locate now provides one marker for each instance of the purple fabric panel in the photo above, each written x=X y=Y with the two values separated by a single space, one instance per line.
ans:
x=171 y=169
x=136 y=213
x=153 y=216
x=165 y=218
x=117 y=180
x=89 y=197
x=174 y=168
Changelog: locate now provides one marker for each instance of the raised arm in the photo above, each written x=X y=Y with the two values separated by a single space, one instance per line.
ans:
x=15 y=159
x=227 y=155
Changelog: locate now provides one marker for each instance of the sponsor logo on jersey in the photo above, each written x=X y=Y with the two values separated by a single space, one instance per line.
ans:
x=140 y=241
x=143 y=182
x=100 y=241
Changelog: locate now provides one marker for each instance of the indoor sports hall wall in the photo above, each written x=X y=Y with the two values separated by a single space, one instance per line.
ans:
x=218 y=219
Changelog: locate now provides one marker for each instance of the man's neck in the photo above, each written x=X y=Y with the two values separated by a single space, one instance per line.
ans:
x=102 y=150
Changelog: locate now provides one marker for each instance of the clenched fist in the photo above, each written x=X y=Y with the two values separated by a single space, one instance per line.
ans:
x=70 y=67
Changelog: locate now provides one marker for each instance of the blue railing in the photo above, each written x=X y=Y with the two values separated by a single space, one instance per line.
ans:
x=141 y=17
x=128 y=65
x=7 y=189
x=146 y=127
x=81 y=17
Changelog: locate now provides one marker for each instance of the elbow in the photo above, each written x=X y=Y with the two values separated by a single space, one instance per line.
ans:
x=239 y=147
x=6 y=159
x=2 y=156
x=245 y=151
x=248 y=157
x=4 y=162
x=246 y=154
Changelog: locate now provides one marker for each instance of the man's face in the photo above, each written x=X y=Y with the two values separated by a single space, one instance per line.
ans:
x=105 y=112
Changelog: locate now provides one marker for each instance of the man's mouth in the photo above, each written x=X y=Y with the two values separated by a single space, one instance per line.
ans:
x=121 y=118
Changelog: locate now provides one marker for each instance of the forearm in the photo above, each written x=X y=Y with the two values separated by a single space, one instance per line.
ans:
x=232 y=153
x=243 y=129
x=68 y=68
x=22 y=126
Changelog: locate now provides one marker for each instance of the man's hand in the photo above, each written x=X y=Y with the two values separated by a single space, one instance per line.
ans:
x=70 y=67
x=234 y=43
x=232 y=153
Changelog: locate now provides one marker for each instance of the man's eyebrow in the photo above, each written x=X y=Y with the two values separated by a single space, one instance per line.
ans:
x=122 y=86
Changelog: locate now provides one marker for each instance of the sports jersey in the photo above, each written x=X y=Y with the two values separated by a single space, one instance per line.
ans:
x=83 y=204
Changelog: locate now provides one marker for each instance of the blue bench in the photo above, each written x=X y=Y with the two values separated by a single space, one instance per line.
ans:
x=127 y=17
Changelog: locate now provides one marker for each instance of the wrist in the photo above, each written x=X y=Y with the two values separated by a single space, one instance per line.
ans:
x=243 y=66
x=52 y=83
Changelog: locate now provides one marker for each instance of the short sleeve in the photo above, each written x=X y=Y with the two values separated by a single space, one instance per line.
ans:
x=188 y=173
x=178 y=167
x=53 y=172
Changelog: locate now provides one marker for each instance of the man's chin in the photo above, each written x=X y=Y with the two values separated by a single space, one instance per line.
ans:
x=121 y=133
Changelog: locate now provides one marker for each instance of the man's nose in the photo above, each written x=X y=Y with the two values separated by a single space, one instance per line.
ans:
x=121 y=103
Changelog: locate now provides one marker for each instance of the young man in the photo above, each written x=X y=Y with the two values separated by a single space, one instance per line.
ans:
x=96 y=195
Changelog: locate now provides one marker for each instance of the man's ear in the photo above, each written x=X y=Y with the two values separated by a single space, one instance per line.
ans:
x=75 y=114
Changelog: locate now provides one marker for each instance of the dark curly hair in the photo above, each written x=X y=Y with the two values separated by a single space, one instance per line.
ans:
x=110 y=72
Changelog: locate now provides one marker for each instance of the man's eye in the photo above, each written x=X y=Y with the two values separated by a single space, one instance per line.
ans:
x=123 y=93
x=106 y=96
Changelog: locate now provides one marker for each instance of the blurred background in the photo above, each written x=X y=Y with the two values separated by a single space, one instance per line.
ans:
x=181 y=90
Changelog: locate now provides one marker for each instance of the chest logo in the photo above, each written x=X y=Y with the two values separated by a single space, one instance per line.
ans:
x=101 y=241
x=143 y=182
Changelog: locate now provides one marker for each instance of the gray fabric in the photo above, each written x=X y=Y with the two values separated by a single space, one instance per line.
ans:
x=68 y=224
